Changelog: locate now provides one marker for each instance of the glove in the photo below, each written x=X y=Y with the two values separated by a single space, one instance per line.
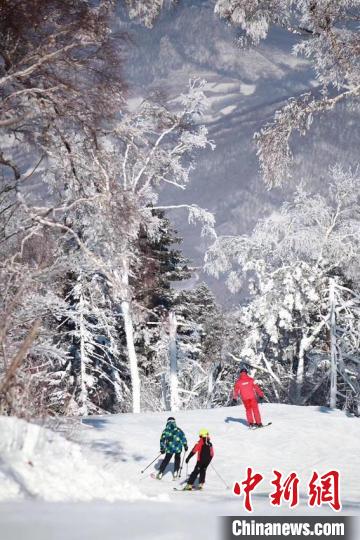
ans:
x=186 y=448
x=162 y=451
x=187 y=459
x=233 y=402
x=261 y=399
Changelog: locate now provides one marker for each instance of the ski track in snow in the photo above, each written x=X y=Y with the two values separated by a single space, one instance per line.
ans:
x=100 y=470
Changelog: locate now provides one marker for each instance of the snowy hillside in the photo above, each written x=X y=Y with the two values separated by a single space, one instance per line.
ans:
x=105 y=463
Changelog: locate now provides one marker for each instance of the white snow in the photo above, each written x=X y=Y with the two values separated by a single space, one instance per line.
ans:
x=247 y=89
x=36 y=463
x=229 y=109
x=105 y=461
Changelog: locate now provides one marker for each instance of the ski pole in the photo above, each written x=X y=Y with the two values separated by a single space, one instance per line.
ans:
x=182 y=464
x=221 y=478
x=157 y=457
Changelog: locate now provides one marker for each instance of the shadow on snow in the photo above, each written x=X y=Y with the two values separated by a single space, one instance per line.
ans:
x=229 y=419
x=98 y=423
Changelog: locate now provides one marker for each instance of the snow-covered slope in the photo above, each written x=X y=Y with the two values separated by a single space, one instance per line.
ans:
x=103 y=462
x=110 y=451
x=301 y=439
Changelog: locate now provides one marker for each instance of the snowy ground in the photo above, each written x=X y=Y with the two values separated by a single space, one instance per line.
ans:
x=53 y=489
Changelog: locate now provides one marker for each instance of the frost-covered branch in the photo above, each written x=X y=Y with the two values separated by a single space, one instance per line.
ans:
x=273 y=141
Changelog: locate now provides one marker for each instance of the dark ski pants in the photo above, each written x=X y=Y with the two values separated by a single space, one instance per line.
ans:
x=200 y=470
x=252 y=411
x=166 y=462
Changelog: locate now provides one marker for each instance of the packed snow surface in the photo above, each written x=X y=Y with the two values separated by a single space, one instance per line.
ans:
x=102 y=463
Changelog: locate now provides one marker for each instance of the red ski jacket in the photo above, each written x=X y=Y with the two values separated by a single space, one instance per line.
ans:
x=204 y=450
x=247 y=389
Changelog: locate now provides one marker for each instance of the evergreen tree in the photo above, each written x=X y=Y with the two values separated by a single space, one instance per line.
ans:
x=200 y=340
x=93 y=377
x=162 y=264
x=200 y=325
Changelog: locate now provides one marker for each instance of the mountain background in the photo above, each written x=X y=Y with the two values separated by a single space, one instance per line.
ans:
x=244 y=87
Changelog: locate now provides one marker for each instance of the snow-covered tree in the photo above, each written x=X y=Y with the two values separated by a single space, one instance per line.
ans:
x=90 y=326
x=55 y=66
x=158 y=147
x=300 y=262
x=30 y=263
x=147 y=11
x=111 y=199
x=199 y=346
x=162 y=268
x=328 y=37
x=56 y=89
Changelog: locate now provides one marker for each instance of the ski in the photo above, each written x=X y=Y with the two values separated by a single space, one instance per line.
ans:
x=182 y=489
x=154 y=476
x=265 y=425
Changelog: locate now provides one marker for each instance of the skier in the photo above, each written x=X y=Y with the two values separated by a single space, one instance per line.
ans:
x=172 y=442
x=248 y=390
x=205 y=452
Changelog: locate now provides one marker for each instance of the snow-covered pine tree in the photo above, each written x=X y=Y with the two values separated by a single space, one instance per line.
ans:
x=97 y=371
x=161 y=264
x=159 y=293
x=162 y=267
x=199 y=345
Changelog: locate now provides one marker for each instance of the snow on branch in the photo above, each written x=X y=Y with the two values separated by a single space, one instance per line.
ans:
x=145 y=11
x=328 y=38
x=196 y=215
x=159 y=144
x=273 y=140
x=253 y=16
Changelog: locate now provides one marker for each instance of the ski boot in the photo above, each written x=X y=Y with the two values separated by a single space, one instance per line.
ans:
x=175 y=475
x=188 y=487
x=159 y=475
x=259 y=425
x=201 y=486
x=252 y=425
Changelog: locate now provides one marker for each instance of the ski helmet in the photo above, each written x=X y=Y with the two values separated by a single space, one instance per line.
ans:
x=170 y=419
x=203 y=432
x=243 y=370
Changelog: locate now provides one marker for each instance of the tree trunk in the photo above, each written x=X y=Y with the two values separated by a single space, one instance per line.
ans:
x=83 y=390
x=129 y=333
x=174 y=383
x=274 y=377
x=333 y=368
x=305 y=345
x=134 y=369
x=210 y=388
x=20 y=357
x=300 y=370
x=164 y=392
